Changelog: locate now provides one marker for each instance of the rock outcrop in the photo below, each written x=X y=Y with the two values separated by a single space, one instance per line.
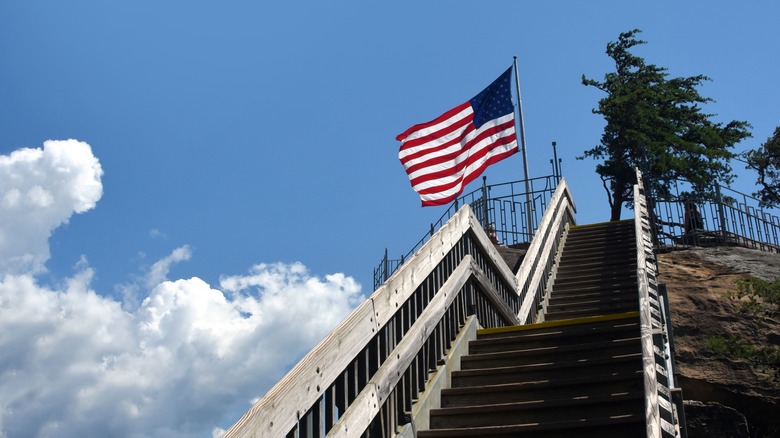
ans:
x=725 y=397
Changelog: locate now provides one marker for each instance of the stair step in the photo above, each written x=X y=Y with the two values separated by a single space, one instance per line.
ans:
x=595 y=366
x=579 y=312
x=599 y=245
x=607 y=275
x=590 y=266
x=538 y=411
x=575 y=310
x=603 y=247
x=551 y=353
x=604 y=288
x=632 y=425
x=601 y=230
x=602 y=236
x=576 y=301
x=574 y=295
x=560 y=335
x=571 y=290
x=579 y=385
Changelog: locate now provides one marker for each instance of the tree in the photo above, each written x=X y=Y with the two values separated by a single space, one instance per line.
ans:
x=655 y=123
x=766 y=161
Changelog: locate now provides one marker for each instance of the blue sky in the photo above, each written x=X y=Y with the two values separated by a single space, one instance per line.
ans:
x=244 y=152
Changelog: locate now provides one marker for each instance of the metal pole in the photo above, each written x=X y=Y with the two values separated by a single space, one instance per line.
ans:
x=721 y=213
x=555 y=157
x=485 y=219
x=386 y=267
x=522 y=149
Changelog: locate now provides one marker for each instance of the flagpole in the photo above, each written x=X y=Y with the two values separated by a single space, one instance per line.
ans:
x=522 y=149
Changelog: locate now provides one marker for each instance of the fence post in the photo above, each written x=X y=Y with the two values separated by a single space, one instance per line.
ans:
x=721 y=213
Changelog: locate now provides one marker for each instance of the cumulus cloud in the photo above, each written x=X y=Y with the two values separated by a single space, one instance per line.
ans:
x=40 y=189
x=74 y=363
x=186 y=359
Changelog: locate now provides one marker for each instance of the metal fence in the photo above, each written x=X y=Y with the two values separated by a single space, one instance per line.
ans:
x=505 y=206
x=723 y=217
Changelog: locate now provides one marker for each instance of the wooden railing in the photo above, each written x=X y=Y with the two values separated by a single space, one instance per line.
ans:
x=539 y=264
x=362 y=379
x=661 y=415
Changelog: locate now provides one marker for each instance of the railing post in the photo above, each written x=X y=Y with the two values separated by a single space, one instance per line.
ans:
x=721 y=214
x=486 y=220
x=387 y=267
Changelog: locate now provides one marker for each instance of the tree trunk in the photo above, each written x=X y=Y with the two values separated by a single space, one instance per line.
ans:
x=618 y=188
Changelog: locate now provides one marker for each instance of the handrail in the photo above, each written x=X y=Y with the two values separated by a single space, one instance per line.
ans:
x=349 y=371
x=538 y=262
x=661 y=418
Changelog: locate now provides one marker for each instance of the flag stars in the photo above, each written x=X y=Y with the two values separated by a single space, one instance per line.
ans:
x=494 y=101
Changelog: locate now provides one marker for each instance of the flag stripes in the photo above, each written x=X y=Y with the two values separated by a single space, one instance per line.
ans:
x=442 y=156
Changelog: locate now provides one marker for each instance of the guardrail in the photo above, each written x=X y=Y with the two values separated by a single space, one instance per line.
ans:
x=661 y=413
x=507 y=208
x=726 y=217
x=362 y=379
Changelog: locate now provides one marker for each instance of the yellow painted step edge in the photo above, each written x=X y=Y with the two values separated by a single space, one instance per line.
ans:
x=559 y=323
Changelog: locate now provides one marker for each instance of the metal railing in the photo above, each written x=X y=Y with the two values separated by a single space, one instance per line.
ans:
x=504 y=205
x=726 y=217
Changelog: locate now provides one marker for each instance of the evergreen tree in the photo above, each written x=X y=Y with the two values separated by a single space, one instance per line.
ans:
x=766 y=161
x=655 y=123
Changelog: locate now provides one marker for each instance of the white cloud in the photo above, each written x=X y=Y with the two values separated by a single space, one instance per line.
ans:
x=186 y=359
x=154 y=233
x=40 y=189
x=159 y=270
x=189 y=358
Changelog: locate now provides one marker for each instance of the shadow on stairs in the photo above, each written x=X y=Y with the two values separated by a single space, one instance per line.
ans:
x=579 y=373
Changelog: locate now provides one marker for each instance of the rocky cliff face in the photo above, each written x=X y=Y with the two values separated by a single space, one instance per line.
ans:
x=724 y=397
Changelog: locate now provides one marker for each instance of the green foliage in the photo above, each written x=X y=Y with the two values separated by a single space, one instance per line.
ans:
x=753 y=297
x=766 y=161
x=766 y=357
x=655 y=123
x=757 y=297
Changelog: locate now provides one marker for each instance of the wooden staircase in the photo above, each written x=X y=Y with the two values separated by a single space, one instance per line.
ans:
x=579 y=373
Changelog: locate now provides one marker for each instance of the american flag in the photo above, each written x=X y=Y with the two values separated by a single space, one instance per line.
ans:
x=442 y=156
